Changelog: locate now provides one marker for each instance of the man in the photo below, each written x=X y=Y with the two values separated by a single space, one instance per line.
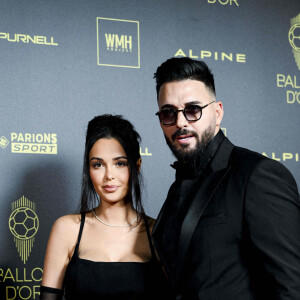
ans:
x=230 y=226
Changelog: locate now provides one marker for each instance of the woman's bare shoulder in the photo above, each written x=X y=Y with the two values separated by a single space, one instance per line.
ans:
x=67 y=226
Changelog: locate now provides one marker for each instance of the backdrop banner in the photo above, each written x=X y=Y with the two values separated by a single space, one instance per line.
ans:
x=64 y=62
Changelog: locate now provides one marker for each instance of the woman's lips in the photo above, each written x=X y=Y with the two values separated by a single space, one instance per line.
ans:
x=110 y=188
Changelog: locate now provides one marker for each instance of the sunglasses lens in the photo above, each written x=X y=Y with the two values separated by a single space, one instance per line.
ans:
x=167 y=116
x=192 y=112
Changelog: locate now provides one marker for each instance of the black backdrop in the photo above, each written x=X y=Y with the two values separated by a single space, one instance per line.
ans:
x=63 y=62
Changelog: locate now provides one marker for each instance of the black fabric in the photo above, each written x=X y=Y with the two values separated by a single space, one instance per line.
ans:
x=85 y=279
x=181 y=193
x=239 y=234
x=48 y=293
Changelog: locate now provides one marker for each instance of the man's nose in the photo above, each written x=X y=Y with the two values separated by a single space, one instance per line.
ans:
x=181 y=120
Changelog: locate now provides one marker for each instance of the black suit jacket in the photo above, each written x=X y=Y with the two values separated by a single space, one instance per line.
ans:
x=240 y=238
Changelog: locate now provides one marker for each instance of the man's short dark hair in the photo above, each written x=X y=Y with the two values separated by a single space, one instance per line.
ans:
x=182 y=68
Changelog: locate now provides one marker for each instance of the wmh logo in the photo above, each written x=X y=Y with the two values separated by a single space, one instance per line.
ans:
x=114 y=42
x=118 y=43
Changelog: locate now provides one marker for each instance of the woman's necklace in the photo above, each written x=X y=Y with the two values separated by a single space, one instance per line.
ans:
x=127 y=225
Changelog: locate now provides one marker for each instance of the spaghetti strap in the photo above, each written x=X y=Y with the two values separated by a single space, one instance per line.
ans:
x=79 y=235
x=153 y=255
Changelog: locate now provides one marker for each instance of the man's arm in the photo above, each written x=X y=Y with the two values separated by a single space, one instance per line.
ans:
x=272 y=214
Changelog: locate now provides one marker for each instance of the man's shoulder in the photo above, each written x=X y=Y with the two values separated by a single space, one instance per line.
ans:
x=246 y=155
x=248 y=160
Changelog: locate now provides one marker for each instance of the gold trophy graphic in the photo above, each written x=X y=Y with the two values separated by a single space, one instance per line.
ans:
x=23 y=224
x=294 y=38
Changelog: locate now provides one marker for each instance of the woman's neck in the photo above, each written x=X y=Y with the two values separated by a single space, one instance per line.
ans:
x=116 y=214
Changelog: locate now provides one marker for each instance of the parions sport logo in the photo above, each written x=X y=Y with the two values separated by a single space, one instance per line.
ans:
x=118 y=43
x=32 y=143
x=3 y=142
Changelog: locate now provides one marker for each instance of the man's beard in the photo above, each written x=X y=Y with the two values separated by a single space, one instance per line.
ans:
x=191 y=157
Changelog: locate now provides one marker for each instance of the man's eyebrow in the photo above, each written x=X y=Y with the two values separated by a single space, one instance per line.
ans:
x=194 y=102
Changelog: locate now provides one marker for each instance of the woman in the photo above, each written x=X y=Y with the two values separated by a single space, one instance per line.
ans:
x=106 y=251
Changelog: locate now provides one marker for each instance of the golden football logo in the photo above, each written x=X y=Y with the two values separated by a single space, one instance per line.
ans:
x=294 y=38
x=23 y=224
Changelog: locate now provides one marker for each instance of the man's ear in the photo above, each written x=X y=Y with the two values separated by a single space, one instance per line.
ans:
x=219 y=114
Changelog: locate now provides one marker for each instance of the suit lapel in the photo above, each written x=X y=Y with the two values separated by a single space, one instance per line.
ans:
x=208 y=183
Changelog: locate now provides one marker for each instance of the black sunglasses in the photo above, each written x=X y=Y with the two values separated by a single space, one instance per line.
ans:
x=192 y=112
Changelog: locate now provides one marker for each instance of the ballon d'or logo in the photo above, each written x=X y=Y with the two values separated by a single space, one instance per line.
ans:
x=294 y=38
x=23 y=224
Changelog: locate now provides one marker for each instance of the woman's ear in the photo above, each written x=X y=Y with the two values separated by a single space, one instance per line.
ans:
x=138 y=164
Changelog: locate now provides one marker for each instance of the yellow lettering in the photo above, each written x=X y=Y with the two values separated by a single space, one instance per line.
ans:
x=25 y=279
x=274 y=157
x=290 y=97
x=33 y=276
x=286 y=156
x=21 y=293
x=13 y=136
x=52 y=42
x=8 y=294
x=205 y=54
x=8 y=275
x=39 y=138
x=191 y=54
x=27 y=137
x=109 y=40
x=20 y=138
x=280 y=78
x=128 y=41
x=224 y=55
x=295 y=83
x=147 y=153
x=3 y=35
x=22 y=37
x=119 y=41
x=289 y=81
x=54 y=138
x=30 y=39
x=224 y=2
x=11 y=40
x=17 y=276
x=36 y=292
x=39 y=39
x=241 y=58
x=180 y=53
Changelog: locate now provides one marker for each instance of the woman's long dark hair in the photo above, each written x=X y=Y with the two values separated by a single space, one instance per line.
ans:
x=109 y=126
